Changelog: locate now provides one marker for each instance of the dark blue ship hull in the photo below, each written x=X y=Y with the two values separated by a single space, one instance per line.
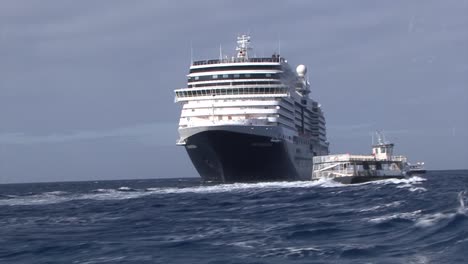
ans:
x=224 y=156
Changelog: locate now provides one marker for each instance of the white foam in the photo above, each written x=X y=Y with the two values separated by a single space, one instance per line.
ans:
x=56 y=193
x=252 y=244
x=40 y=199
x=126 y=189
x=104 y=190
x=377 y=207
x=416 y=189
x=432 y=219
x=461 y=198
x=291 y=251
x=411 y=180
x=248 y=187
x=61 y=197
x=419 y=259
x=408 y=216
x=428 y=220
x=125 y=192
x=419 y=219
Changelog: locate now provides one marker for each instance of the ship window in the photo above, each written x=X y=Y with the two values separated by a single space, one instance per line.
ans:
x=268 y=75
x=215 y=76
x=382 y=150
x=196 y=77
x=247 y=75
x=236 y=75
x=225 y=75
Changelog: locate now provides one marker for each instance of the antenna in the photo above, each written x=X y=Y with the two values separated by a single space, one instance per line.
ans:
x=279 y=44
x=191 y=53
x=220 y=53
x=279 y=47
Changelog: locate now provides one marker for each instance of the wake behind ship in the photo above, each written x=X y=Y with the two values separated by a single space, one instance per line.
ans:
x=250 y=119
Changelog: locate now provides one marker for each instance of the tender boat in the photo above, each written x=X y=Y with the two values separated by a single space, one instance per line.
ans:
x=348 y=168
x=415 y=169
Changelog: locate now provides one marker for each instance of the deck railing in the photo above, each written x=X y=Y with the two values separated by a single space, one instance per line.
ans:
x=354 y=158
x=238 y=60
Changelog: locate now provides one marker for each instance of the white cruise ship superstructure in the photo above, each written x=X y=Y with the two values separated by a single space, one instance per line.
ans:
x=250 y=119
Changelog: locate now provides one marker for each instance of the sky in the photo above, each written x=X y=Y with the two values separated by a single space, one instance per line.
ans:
x=87 y=87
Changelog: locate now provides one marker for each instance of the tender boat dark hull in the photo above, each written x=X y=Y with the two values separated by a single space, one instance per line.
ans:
x=362 y=179
x=224 y=156
x=416 y=172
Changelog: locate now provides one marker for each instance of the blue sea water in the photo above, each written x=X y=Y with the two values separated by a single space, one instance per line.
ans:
x=422 y=219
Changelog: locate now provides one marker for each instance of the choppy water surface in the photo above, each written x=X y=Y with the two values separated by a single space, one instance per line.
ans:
x=416 y=220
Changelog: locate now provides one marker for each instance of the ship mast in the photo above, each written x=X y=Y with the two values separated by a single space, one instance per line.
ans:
x=243 y=43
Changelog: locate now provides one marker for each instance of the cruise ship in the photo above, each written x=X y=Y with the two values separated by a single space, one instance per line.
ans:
x=250 y=119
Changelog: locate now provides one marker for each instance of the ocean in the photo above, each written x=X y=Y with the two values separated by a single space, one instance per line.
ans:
x=422 y=219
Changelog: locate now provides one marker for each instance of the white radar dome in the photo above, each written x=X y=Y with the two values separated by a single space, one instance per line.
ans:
x=301 y=70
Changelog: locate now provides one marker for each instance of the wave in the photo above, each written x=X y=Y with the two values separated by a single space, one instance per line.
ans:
x=461 y=199
x=125 y=192
x=36 y=199
x=432 y=219
x=423 y=220
x=402 y=182
x=412 y=216
x=378 y=207
x=126 y=189
x=291 y=252
x=248 y=187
